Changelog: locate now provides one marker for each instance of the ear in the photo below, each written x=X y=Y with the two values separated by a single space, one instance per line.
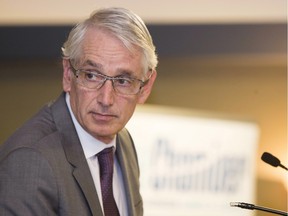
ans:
x=67 y=79
x=146 y=90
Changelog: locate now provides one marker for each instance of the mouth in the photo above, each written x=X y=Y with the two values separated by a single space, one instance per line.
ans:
x=103 y=117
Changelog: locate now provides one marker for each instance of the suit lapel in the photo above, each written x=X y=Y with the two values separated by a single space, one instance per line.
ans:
x=126 y=155
x=87 y=186
x=75 y=155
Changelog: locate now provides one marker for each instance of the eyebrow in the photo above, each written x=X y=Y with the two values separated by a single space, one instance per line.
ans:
x=122 y=72
x=93 y=64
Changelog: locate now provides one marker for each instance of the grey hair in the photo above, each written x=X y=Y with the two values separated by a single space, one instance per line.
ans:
x=122 y=23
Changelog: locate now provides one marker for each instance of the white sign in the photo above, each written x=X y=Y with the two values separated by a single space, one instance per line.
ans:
x=193 y=164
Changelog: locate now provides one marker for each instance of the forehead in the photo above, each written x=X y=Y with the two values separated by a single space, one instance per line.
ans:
x=103 y=48
x=100 y=39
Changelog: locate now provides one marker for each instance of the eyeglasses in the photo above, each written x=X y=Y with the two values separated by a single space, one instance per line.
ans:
x=121 y=85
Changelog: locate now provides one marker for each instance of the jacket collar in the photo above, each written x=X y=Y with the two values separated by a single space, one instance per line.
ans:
x=74 y=153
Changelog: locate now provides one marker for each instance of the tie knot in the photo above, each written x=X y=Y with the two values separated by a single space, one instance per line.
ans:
x=106 y=151
x=105 y=158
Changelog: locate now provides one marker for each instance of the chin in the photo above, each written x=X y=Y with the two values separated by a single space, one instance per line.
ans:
x=106 y=134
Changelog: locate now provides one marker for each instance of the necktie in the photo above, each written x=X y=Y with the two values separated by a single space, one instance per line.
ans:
x=106 y=163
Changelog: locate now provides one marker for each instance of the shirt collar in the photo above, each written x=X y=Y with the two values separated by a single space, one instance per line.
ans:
x=91 y=146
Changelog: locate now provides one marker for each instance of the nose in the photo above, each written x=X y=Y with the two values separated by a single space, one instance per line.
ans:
x=106 y=93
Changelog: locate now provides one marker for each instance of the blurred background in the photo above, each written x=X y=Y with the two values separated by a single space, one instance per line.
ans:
x=225 y=56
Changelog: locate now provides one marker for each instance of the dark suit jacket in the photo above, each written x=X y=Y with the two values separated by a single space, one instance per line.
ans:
x=43 y=170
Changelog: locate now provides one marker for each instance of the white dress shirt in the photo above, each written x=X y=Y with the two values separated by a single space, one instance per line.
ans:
x=91 y=147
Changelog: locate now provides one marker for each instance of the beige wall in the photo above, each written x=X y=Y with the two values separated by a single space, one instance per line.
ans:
x=41 y=12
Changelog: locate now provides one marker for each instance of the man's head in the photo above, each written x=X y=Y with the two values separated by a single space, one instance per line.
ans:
x=109 y=66
x=122 y=23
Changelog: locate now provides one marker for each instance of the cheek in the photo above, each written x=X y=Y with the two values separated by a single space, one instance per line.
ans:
x=143 y=95
x=80 y=102
x=127 y=108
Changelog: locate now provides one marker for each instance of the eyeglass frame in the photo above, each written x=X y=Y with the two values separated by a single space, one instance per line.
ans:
x=106 y=77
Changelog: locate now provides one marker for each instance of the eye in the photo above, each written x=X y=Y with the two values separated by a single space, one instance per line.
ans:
x=92 y=77
x=124 y=82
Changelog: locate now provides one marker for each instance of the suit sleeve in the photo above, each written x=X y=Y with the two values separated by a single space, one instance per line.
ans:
x=27 y=184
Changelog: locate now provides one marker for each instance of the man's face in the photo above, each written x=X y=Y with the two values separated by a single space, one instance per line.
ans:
x=103 y=112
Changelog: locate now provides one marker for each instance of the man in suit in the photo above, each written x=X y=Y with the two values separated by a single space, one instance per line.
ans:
x=50 y=165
